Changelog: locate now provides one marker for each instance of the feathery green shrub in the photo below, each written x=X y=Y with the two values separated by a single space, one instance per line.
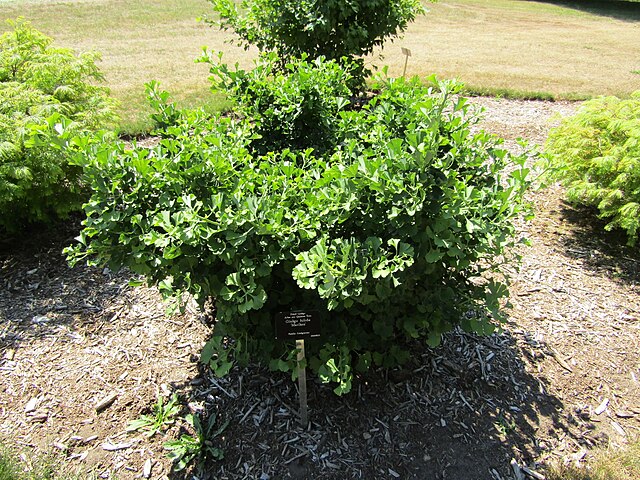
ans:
x=596 y=154
x=42 y=86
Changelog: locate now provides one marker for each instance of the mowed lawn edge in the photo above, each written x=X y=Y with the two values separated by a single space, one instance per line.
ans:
x=503 y=47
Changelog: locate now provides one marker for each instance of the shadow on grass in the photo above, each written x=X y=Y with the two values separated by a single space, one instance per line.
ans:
x=628 y=11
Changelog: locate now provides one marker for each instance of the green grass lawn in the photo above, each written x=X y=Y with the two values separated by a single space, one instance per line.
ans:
x=47 y=467
x=527 y=47
x=562 y=50
x=607 y=464
x=139 y=41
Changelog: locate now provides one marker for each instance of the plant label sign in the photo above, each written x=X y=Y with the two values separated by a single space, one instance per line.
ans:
x=407 y=53
x=297 y=325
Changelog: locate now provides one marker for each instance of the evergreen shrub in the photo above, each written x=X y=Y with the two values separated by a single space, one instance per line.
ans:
x=335 y=30
x=292 y=107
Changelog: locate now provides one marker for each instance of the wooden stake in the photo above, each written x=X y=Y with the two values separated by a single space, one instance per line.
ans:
x=302 y=383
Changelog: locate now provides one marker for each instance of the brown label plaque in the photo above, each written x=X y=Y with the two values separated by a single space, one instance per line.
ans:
x=297 y=325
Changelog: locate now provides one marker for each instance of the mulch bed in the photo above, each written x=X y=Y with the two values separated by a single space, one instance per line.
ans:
x=559 y=379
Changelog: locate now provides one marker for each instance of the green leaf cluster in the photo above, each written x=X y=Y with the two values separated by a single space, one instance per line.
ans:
x=200 y=446
x=333 y=29
x=395 y=229
x=293 y=106
x=596 y=154
x=42 y=86
x=163 y=416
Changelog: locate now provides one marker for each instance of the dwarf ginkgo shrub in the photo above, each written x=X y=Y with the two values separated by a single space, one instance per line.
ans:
x=596 y=153
x=42 y=86
x=292 y=107
x=334 y=29
x=394 y=232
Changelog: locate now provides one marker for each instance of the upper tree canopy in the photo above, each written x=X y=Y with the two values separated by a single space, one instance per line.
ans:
x=329 y=28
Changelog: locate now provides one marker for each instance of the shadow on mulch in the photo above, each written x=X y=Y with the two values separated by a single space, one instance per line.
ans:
x=462 y=411
x=603 y=252
x=39 y=292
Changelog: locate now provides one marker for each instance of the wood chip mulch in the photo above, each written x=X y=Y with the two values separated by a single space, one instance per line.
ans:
x=83 y=353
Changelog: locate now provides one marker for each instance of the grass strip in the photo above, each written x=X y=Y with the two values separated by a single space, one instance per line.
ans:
x=510 y=48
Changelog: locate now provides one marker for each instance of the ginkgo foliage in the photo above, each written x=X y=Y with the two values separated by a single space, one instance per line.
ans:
x=393 y=225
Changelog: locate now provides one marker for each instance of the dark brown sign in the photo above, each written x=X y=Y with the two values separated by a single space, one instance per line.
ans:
x=297 y=325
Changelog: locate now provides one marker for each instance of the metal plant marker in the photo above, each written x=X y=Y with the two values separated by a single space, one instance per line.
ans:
x=407 y=53
x=302 y=383
x=299 y=325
